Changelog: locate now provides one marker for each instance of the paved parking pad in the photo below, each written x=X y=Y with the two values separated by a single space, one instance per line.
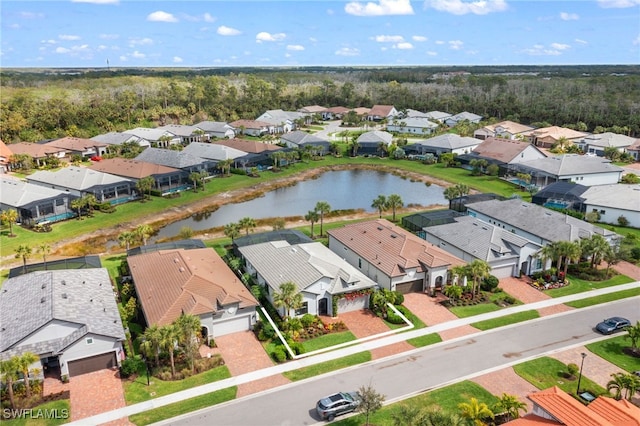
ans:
x=95 y=393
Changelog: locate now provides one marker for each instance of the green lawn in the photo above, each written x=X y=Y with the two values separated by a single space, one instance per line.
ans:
x=506 y=320
x=137 y=390
x=579 y=286
x=328 y=366
x=328 y=340
x=183 y=407
x=426 y=340
x=446 y=399
x=481 y=308
x=611 y=350
x=546 y=372
x=604 y=298
x=417 y=322
x=54 y=409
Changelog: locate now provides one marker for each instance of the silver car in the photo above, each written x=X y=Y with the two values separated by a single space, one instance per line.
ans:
x=338 y=403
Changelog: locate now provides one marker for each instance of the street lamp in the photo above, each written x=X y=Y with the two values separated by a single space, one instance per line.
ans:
x=583 y=355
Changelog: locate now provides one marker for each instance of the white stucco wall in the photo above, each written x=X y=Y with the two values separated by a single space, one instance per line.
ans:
x=81 y=349
x=612 y=214
x=55 y=329
x=594 y=178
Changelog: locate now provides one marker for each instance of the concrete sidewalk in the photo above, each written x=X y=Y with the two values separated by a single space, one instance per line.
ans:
x=357 y=346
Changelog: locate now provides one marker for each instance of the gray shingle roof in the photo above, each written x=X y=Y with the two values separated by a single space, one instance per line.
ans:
x=213 y=151
x=115 y=138
x=571 y=164
x=83 y=297
x=214 y=126
x=620 y=196
x=78 y=178
x=450 y=141
x=18 y=193
x=375 y=137
x=278 y=116
x=299 y=138
x=419 y=122
x=169 y=158
x=609 y=139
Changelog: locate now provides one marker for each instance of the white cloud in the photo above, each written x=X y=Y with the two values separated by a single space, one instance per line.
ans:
x=560 y=46
x=540 y=50
x=381 y=8
x=177 y=60
x=109 y=36
x=388 y=38
x=459 y=7
x=161 y=16
x=432 y=53
x=62 y=50
x=228 y=31
x=456 y=44
x=50 y=41
x=618 y=4
x=348 y=51
x=208 y=18
x=31 y=15
x=579 y=40
x=265 y=36
x=636 y=42
x=313 y=39
x=295 y=47
x=97 y=1
x=123 y=58
x=440 y=42
x=565 y=16
x=419 y=38
x=68 y=37
x=138 y=55
x=140 y=42
x=403 y=46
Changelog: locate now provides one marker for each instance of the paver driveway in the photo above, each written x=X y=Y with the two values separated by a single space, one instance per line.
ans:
x=431 y=312
x=95 y=393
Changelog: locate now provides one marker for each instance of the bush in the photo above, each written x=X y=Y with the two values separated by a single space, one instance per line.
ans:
x=489 y=283
x=398 y=298
x=266 y=332
x=131 y=366
x=279 y=354
x=635 y=253
x=307 y=320
x=572 y=369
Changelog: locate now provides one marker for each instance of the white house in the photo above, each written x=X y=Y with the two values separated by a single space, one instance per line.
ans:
x=412 y=125
x=505 y=129
x=613 y=201
x=582 y=169
x=597 y=143
x=446 y=143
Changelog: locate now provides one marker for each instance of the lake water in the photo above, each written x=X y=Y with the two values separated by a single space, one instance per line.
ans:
x=343 y=190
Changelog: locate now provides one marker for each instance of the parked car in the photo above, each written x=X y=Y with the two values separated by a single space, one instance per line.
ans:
x=338 y=403
x=613 y=324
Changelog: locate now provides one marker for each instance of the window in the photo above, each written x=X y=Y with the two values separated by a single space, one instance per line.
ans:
x=539 y=264
x=89 y=340
x=303 y=309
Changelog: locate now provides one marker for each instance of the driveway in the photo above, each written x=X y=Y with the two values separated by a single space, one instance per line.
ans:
x=95 y=393
x=521 y=290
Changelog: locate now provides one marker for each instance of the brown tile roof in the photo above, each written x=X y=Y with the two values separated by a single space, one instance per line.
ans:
x=35 y=150
x=75 y=144
x=362 y=110
x=130 y=168
x=510 y=126
x=313 y=109
x=557 y=132
x=501 y=149
x=381 y=110
x=171 y=282
x=620 y=413
x=249 y=124
x=635 y=146
x=252 y=147
x=391 y=248
x=567 y=409
x=5 y=153
x=531 y=420
x=338 y=110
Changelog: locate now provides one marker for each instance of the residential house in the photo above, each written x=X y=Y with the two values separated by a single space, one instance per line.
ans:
x=361 y=112
x=597 y=143
x=81 y=181
x=468 y=238
x=187 y=134
x=157 y=137
x=5 y=155
x=546 y=137
x=613 y=202
x=634 y=149
x=291 y=236
x=252 y=127
x=216 y=130
x=411 y=113
x=553 y=406
x=38 y=152
x=448 y=143
x=283 y=121
x=213 y=151
x=119 y=138
x=318 y=273
x=582 y=169
x=373 y=142
x=506 y=153
x=505 y=130
x=438 y=116
x=394 y=258
x=382 y=112
x=177 y=160
x=300 y=139
x=312 y=110
x=85 y=148
x=535 y=223
x=412 y=125
x=337 y=112
x=166 y=179
x=257 y=153
x=34 y=203
x=172 y=282
x=463 y=116
x=561 y=195
x=68 y=318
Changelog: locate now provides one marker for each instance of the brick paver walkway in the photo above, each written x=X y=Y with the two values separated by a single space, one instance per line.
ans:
x=507 y=381
x=521 y=290
x=431 y=312
x=627 y=269
x=95 y=393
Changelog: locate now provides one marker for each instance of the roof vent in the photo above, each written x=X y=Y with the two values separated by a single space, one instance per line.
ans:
x=84 y=282
x=379 y=228
x=64 y=295
x=181 y=269
x=44 y=285
x=43 y=300
x=394 y=236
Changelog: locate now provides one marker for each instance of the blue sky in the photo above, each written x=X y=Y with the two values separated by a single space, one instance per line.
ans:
x=127 y=33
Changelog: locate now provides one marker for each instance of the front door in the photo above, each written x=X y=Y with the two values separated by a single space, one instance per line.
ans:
x=322 y=306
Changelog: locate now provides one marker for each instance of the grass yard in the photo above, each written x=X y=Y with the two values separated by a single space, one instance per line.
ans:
x=579 y=286
x=583 y=303
x=446 y=399
x=481 y=308
x=328 y=366
x=137 y=390
x=183 y=407
x=426 y=340
x=328 y=340
x=612 y=351
x=506 y=320
x=546 y=372
x=60 y=408
x=417 y=322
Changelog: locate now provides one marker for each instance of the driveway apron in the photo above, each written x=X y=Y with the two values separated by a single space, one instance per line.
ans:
x=95 y=393
x=431 y=312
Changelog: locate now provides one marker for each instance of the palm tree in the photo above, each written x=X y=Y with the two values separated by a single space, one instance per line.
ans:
x=44 y=249
x=168 y=338
x=9 y=371
x=232 y=230
x=188 y=327
x=287 y=297
x=126 y=239
x=90 y=201
x=633 y=334
x=475 y=411
x=143 y=232
x=312 y=216
x=380 y=203
x=511 y=405
x=394 y=201
x=194 y=177
x=23 y=362
x=322 y=207
x=570 y=252
x=23 y=252
x=596 y=247
x=78 y=204
x=145 y=185
x=225 y=166
x=150 y=345
x=248 y=224
x=456 y=191
x=548 y=252
x=479 y=270
x=10 y=216
x=624 y=385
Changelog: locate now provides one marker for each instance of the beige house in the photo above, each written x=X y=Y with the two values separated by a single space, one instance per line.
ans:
x=545 y=137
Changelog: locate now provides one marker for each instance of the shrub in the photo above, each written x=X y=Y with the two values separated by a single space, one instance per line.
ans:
x=572 y=369
x=398 y=298
x=165 y=375
x=489 y=283
x=623 y=221
x=279 y=354
x=131 y=366
x=186 y=372
x=266 y=332
x=307 y=320
x=635 y=253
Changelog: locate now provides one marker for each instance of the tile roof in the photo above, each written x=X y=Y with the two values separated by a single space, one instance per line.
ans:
x=438 y=115
x=78 y=178
x=169 y=158
x=130 y=168
x=619 y=413
x=250 y=124
x=5 y=152
x=304 y=264
x=214 y=126
x=213 y=151
x=75 y=144
x=504 y=150
x=179 y=129
x=35 y=150
x=510 y=126
x=618 y=196
x=566 y=409
x=312 y=109
x=420 y=122
x=450 y=141
x=557 y=132
x=83 y=297
x=277 y=116
x=375 y=137
x=252 y=147
x=391 y=248
x=19 y=193
x=343 y=110
x=572 y=164
x=361 y=110
x=381 y=110
x=609 y=140
x=115 y=138
x=197 y=281
x=299 y=137
x=150 y=134
x=466 y=116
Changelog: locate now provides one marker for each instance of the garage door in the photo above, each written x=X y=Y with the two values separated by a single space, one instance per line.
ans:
x=233 y=325
x=410 y=287
x=503 y=271
x=91 y=364
x=356 y=304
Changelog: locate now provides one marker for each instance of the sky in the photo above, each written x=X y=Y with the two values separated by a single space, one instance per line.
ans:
x=266 y=33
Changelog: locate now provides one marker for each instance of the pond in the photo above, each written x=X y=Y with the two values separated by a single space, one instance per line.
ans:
x=343 y=190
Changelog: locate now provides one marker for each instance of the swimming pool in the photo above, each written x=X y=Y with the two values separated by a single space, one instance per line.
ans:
x=555 y=205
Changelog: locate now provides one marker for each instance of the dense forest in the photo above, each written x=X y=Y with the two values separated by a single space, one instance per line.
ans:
x=45 y=104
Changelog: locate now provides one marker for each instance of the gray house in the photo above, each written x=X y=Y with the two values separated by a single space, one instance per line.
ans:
x=582 y=169
x=369 y=143
x=463 y=116
x=177 y=160
x=118 y=138
x=213 y=151
x=442 y=144
x=216 y=129
x=300 y=139
x=614 y=201
x=69 y=318
x=597 y=143
x=412 y=125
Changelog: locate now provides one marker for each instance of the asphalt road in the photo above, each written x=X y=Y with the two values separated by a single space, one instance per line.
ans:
x=417 y=371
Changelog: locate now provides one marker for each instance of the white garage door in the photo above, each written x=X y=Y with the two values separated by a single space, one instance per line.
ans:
x=346 y=305
x=232 y=325
x=502 y=271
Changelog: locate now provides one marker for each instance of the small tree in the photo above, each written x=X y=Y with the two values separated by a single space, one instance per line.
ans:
x=312 y=216
x=288 y=297
x=572 y=370
x=232 y=230
x=380 y=203
x=44 y=249
x=394 y=202
x=633 y=334
x=10 y=216
x=248 y=224
x=23 y=252
x=510 y=405
x=371 y=401
x=323 y=208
